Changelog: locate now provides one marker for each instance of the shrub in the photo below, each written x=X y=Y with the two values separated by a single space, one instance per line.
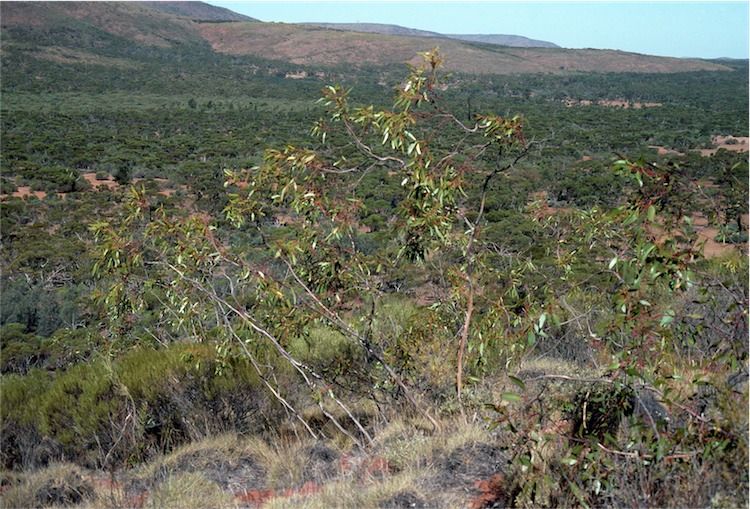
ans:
x=108 y=412
x=21 y=351
x=7 y=186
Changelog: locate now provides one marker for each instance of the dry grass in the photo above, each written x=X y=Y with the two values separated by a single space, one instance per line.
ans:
x=228 y=460
x=354 y=493
x=59 y=484
x=406 y=446
x=192 y=491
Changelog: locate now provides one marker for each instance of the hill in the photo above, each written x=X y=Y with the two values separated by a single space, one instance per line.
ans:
x=385 y=29
x=129 y=29
x=312 y=45
x=77 y=25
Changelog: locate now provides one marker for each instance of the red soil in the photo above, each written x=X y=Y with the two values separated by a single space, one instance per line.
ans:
x=662 y=151
x=96 y=184
x=259 y=497
x=612 y=103
x=24 y=191
x=731 y=143
x=706 y=235
x=376 y=466
x=491 y=492
x=542 y=208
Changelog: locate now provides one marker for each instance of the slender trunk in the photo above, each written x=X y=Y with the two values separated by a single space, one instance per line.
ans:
x=462 y=343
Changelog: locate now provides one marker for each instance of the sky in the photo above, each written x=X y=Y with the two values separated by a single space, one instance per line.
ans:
x=704 y=29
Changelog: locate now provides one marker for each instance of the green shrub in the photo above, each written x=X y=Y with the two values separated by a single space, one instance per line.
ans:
x=108 y=412
x=18 y=350
x=326 y=349
x=21 y=351
x=7 y=186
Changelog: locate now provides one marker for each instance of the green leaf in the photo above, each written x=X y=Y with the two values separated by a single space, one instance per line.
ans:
x=517 y=381
x=631 y=371
x=510 y=397
x=667 y=318
x=577 y=492
x=651 y=214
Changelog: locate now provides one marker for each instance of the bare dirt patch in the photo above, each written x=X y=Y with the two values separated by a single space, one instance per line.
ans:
x=540 y=207
x=730 y=143
x=163 y=184
x=24 y=191
x=711 y=248
x=733 y=143
x=706 y=236
x=109 y=183
x=663 y=151
x=612 y=103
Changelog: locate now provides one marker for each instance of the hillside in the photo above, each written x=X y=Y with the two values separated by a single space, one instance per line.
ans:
x=198 y=11
x=130 y=28
x=385 y=29
x=303 y=44
x=80 y=24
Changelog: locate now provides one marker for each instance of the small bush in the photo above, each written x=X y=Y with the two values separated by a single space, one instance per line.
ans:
x=600 y=409
x=7 y=186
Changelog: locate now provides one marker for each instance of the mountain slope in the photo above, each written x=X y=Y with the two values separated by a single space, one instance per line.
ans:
x=379 y=28
x=81 y=24
x=198 y=11
x=138 y=30
x=312 y=45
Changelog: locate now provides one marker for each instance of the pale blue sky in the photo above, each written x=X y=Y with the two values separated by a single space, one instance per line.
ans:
x=680 y=29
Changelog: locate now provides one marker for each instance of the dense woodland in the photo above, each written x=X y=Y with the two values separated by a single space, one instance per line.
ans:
x=218 y=252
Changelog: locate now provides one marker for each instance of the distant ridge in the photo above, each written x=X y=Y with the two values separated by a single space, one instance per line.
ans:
x=515 y=41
